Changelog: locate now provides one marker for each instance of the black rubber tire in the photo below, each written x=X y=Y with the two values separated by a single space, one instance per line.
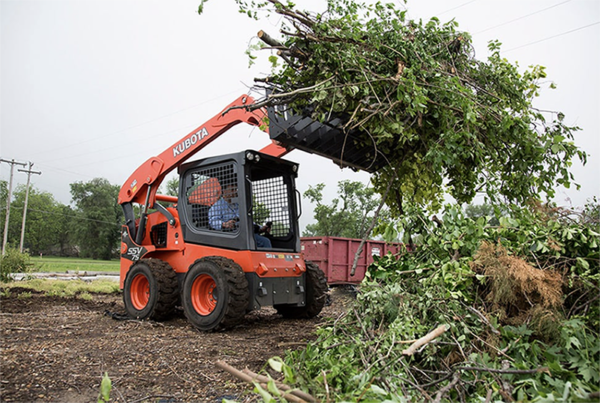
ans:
x=163 y=290
x=230 y=296
x=316 y=295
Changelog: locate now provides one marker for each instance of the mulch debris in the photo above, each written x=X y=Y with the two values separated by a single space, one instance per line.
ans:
x=56 y=349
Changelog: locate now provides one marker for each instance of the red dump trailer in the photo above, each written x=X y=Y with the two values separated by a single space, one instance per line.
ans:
x=335 y=255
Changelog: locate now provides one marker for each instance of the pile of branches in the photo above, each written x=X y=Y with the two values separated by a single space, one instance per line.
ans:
x=414 y=90
x=510 y=313
x=519 y=302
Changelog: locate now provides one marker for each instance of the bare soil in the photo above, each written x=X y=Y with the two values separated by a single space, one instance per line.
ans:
x=56 y=349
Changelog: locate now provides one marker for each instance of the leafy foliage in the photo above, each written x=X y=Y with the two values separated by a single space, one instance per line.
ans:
x=540 y=346
x=54 y=228
x=66 y=288
x=590 y=216
x=172 y=187
x=98 y=231
x=13 y=261
x=485 y=210
x=415 y=93
x=349 y=215
x=47 y=222
x=105 y=389
x=3 y=193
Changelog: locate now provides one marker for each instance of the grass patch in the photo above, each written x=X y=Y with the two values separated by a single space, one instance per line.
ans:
x=65 y=288
x=86 y=296
x=55 y=264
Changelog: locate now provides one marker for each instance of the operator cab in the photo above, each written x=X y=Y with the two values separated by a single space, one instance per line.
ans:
x=257 y=188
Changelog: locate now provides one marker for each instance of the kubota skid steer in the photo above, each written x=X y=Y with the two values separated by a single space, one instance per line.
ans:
x=175 y=255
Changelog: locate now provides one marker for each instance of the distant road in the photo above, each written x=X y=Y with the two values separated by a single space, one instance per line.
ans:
x=69 y=275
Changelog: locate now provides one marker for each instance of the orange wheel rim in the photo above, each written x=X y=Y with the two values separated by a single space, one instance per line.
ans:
x=204 y=294
x=140 y=292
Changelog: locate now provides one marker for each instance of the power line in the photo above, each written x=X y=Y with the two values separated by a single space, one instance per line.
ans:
x=139 y=124
x=59 y=170
x=520 y=18
x=454 y=8
x=76 y=216
x=552 y=37
x=120 y=146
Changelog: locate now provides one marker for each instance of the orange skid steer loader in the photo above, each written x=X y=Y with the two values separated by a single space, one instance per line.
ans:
x=218 y=269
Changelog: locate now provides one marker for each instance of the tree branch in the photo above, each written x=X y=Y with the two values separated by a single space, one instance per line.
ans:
x=505 y=371
x=425 y=339
x=447 y=388
x=370 y=229
x=289 y=394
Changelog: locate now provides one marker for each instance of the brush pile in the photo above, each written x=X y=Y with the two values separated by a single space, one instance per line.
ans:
x=414 y=94
x=517 y=305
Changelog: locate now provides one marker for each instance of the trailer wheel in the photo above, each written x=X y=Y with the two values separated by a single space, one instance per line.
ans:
x=151 y=290
x=215 y=293
x=316 y=295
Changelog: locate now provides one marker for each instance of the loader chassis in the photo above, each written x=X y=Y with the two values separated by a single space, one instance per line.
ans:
x=175 y=251
x=198 y=247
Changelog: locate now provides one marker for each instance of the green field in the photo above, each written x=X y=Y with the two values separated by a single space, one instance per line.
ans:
x=53 y=264
x=61 y=288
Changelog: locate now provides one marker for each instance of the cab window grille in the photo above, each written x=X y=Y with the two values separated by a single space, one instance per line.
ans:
x=158 y=234
x=212 y=197
x=270 y=204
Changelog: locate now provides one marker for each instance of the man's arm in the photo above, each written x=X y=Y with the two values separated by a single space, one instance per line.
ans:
x=215 y=215
x=220 y=216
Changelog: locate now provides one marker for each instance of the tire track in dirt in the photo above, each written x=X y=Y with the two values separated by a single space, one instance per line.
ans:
x=56 y=349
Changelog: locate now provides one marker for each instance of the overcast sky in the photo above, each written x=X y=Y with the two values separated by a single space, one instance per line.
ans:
x=94 y=88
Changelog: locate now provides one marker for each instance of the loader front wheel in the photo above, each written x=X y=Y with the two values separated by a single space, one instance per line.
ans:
x=316 y=295
x=150 y=290
x=215 y=293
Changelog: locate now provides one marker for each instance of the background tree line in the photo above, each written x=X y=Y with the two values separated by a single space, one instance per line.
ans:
x=90 y=227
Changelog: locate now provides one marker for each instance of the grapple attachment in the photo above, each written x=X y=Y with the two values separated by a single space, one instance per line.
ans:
x=352 y=149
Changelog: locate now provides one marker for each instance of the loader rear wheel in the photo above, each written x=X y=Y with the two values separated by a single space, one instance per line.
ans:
x=215 y=293
x=316 y=295
x=151 y=290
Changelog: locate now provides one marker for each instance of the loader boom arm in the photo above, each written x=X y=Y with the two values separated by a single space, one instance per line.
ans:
x=142 y=185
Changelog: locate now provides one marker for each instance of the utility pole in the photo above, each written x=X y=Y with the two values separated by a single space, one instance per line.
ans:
x=29 y=172
x=12 y=167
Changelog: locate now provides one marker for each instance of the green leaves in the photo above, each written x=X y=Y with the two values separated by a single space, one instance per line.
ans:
x=405 y=297
x=274 y=61
x=447 y=122
x=98 y=230
x=349 y=215
x=201 y=6
x=13 y=261
x=105 y=389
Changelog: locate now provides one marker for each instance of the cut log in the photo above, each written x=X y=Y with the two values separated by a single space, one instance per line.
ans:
x=425 y=339
x=263 y=379
x=289 y=394
x=269 y=40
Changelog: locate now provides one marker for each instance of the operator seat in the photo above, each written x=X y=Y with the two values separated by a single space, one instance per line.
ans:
x=201 y=196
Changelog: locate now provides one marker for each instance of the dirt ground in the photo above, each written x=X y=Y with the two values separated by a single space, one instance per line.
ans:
x=56 y=350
